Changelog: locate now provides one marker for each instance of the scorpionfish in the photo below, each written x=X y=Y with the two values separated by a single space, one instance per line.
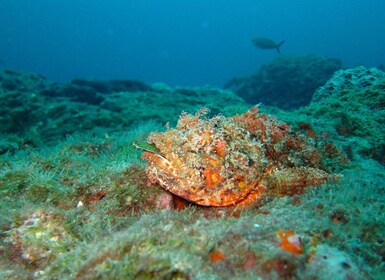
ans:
x=228 y=161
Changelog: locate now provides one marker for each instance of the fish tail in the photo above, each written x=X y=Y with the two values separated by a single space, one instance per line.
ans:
x=279 y=45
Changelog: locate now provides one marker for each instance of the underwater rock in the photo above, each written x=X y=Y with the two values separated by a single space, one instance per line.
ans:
x=112 y=85
x=351 y=105
x=45 y=112
x=25 y=82
x=350 y=79
x=232 y=161
x=20 y=103
x=39 y=239
x=287 y=82
x=93 y=91
x=75 y=93
x=330 y=263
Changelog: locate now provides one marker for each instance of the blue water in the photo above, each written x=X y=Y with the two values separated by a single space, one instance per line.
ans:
x=182 y=42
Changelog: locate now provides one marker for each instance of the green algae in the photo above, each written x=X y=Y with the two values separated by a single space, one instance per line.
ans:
x=12 y=183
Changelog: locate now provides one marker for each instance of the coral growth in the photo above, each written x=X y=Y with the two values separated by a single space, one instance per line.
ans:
x=236 y=160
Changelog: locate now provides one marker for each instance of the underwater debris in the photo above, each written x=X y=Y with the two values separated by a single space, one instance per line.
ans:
x=232 y=161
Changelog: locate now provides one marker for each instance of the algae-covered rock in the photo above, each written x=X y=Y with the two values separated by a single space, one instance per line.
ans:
x=25 y=82
x=20 y=102
x=331 y=263
x=46 y=112
x=358 y=78
x=351 y=106
x=287 y=82
x=39 y=238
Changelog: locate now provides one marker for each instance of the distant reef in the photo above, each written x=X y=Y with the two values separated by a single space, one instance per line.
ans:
x=287 y=82
x=43 y=112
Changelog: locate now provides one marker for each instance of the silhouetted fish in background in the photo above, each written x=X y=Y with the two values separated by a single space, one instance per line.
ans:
x=266 y=43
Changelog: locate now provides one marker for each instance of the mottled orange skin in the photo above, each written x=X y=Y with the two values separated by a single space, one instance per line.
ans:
x=232 y=161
